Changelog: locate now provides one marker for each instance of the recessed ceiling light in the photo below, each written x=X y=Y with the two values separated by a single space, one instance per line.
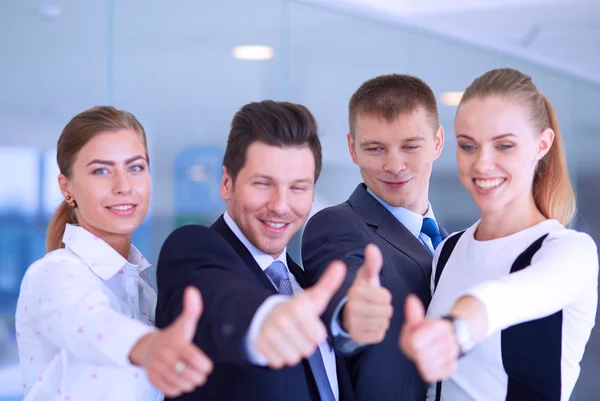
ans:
x=50 y=12
x=451 y=98
x=253 y=52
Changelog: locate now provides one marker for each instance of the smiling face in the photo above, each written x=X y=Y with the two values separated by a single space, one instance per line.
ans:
x=498 y=149
x=110 y=182
x=396 y=158
x=272 y=194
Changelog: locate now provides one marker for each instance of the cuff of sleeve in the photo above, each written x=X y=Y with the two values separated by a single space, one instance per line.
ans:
x=261 y=314
x=119 y=345
x=336 y=321
x=490 y=295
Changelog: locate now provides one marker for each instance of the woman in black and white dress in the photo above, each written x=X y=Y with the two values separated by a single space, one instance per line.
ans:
x=516 y=293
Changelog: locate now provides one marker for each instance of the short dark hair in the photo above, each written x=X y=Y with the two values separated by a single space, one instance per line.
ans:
x=389 y=96
x=274 y=123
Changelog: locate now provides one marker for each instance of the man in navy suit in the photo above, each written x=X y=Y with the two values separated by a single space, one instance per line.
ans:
x=394 y=139
x=261 y=323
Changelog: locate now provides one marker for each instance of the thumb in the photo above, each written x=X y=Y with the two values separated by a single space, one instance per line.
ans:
x=414 y=312
x=192 y=310
x=372 y=265
x=328 y=284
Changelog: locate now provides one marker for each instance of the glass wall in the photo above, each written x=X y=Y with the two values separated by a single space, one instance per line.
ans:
x=171 y=64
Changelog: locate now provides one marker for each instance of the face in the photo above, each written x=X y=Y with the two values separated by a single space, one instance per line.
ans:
x=272 y=194
x=110 y=182
x=395 y=158
x=497 y=151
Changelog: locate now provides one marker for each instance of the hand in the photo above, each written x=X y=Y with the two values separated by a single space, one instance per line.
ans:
x=430 y=343
x=293 y=330
x=161 y=351
x=366 y=316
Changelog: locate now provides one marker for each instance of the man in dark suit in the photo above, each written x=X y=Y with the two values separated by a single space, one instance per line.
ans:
x=261 y=324
x=394 y=138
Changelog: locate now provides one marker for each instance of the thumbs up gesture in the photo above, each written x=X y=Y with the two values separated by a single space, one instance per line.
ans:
x=430 y=343
x=293 y=329
x=366 y=316
x=172 y=362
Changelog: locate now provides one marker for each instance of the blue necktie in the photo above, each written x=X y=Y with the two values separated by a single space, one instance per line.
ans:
x=278 y=273
x=431 y=230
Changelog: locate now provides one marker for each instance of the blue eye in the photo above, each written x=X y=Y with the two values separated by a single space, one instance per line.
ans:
x=467 y=148
x=100 y=171
x=373 y=149
x=137 y=168
x=505 y=146
x=411 y=147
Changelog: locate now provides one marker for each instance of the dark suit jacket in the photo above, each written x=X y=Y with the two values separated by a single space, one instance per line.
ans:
x=233 y=286
x=379 y=372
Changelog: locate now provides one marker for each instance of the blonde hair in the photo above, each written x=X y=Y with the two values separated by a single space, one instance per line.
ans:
x=79 y=131
x=552 y=190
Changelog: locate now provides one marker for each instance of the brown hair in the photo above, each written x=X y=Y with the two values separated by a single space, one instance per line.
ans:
x=279 y=124
x=389 y=96
x=82 y=128
x=552 y=189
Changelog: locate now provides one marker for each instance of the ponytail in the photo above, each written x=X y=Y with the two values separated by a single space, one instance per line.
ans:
x=56 y=229
x=552 y=189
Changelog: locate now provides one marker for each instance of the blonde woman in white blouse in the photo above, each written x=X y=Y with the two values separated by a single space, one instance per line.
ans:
x=85 y=315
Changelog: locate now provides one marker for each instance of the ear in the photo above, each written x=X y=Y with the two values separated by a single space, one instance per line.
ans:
x=545 y=142
x=65 y=187
x=352 y=148
x=226 y=185
x=438 y=141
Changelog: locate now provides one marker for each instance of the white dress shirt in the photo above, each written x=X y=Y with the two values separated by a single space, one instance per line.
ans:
x=264 y=261
x=80 y=311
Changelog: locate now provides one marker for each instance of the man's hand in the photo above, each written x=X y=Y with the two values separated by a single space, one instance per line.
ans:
x=293 y=330
x=366 y=316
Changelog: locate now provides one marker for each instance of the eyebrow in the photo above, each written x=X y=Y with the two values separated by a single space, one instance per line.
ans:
x=373 y=142
x=111 y=163
x=493 y=139
x=269 y=178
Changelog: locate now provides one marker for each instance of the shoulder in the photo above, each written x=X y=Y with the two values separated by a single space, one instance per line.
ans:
x=337 y=215
x=576 y=242
x=194 y=235
x=59 y=263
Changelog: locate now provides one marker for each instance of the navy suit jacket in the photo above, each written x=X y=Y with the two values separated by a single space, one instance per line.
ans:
x=378 y=372
x=233 y=287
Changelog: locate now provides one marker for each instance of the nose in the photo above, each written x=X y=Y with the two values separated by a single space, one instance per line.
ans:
x=394 y=163
x=278 y=202
x=484 y=162
x=121 y=183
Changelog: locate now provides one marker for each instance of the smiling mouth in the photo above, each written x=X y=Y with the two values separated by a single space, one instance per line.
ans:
x=275 y=225
x=488 y=184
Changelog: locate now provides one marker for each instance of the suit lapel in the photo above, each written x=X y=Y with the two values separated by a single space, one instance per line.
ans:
x=388 y=227
x=223 y=229
x=296 y=271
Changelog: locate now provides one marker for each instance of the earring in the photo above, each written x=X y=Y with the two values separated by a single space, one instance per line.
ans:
x=71 y=203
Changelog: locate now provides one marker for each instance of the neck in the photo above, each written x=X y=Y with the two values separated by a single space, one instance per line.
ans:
x=119 y=242
x=514 y=217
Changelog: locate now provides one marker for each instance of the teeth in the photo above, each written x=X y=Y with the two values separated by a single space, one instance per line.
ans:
x=122 y=208
x=489 y=184
x=274 y=225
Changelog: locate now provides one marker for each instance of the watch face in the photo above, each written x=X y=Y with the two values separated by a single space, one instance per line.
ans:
x=463 y=335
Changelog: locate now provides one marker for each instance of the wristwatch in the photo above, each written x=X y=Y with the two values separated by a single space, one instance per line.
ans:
x=463 y=332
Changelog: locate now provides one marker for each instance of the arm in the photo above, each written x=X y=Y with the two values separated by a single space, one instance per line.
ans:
x=565 y=264
x=198 y=256
x=360 y=312
x=66 y=304
x=559 y=272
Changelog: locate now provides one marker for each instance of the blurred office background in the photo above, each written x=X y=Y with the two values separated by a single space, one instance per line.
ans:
x=173 y=64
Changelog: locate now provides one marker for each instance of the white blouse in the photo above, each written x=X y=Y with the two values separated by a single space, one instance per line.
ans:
x=81 y=309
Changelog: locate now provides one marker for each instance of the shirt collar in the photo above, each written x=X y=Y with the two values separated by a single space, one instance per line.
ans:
x=100 y=257
x=409 y=219
x=261 y=258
